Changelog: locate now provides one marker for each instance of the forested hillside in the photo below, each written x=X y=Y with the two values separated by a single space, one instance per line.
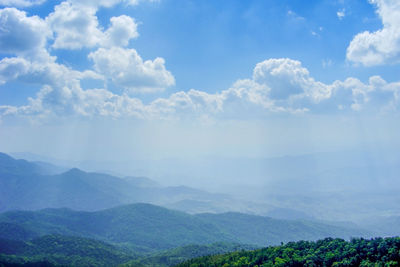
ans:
x=61 y=250
x=327 y=252
x=147 y=228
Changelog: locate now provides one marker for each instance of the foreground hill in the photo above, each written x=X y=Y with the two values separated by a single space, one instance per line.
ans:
x=327 y=252
x=62 y=250
x=177 y=255
x=58 y=250
x=146 y=227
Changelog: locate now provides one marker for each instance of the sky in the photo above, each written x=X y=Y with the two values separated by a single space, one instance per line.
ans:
x=135 y=79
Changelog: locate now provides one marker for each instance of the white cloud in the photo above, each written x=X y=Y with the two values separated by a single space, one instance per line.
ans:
x=277 y=86
x=382 y=46
x=341 y=14
x=20 y=34
x=12 y=68
x=21 y=3
x=40 y=72
x=127 y=69
x=75 y=25
x=287 y=78
x=121 y=31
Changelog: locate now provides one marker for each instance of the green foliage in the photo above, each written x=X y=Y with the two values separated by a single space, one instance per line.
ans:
x=327 y=252
x=61 y=250
x=149 y=228
x=181 y=254
x=144 y=227
x=55 y=250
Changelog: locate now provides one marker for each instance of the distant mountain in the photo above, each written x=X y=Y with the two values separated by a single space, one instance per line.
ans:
x=28 y=185
x=384 y=226
x=11 y=166
x=141 y=181
x=147 y=227
x=288 y=214
x=259 y=230
x=28 y=189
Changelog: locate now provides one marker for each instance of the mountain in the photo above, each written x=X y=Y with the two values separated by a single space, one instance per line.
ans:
x=262 y=231
x=288 y=214
x=146 y=227
x=11 y=166
x=140 y=225
x=28 y=185
x=383 y=225
x=74 y=189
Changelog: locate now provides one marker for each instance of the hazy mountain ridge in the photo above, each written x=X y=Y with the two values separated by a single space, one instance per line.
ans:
x=27 y=185
x=143 y=228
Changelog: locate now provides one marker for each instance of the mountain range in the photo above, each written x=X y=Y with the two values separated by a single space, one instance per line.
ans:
x=36 y=185
x=134 y=219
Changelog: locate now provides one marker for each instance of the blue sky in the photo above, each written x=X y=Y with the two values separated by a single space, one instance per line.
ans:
x=268 y=66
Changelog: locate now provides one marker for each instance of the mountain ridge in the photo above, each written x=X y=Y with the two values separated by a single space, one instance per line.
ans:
x=153 y=227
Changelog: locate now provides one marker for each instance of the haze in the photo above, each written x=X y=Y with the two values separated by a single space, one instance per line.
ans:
x=281 y=104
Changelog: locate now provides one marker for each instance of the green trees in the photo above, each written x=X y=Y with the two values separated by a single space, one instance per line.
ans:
x=327 y=252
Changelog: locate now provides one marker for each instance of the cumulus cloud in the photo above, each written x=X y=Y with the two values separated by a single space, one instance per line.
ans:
x=75 y=26
x=121 y=31
x=277 y=85
x=255 y=97
x=287 y=78
x=382 y=46
x=127 y=69
x=21 y=3
x=42 y=73
x=20 y=34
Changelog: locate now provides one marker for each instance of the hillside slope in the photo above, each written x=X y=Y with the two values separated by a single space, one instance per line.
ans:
x=147 y=227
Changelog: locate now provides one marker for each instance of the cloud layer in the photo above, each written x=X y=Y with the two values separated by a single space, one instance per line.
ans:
x=277 y=85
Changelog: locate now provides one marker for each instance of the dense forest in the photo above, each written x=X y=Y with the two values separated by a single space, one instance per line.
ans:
x=58 y=250
x=327 y=252
x=55 y=250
